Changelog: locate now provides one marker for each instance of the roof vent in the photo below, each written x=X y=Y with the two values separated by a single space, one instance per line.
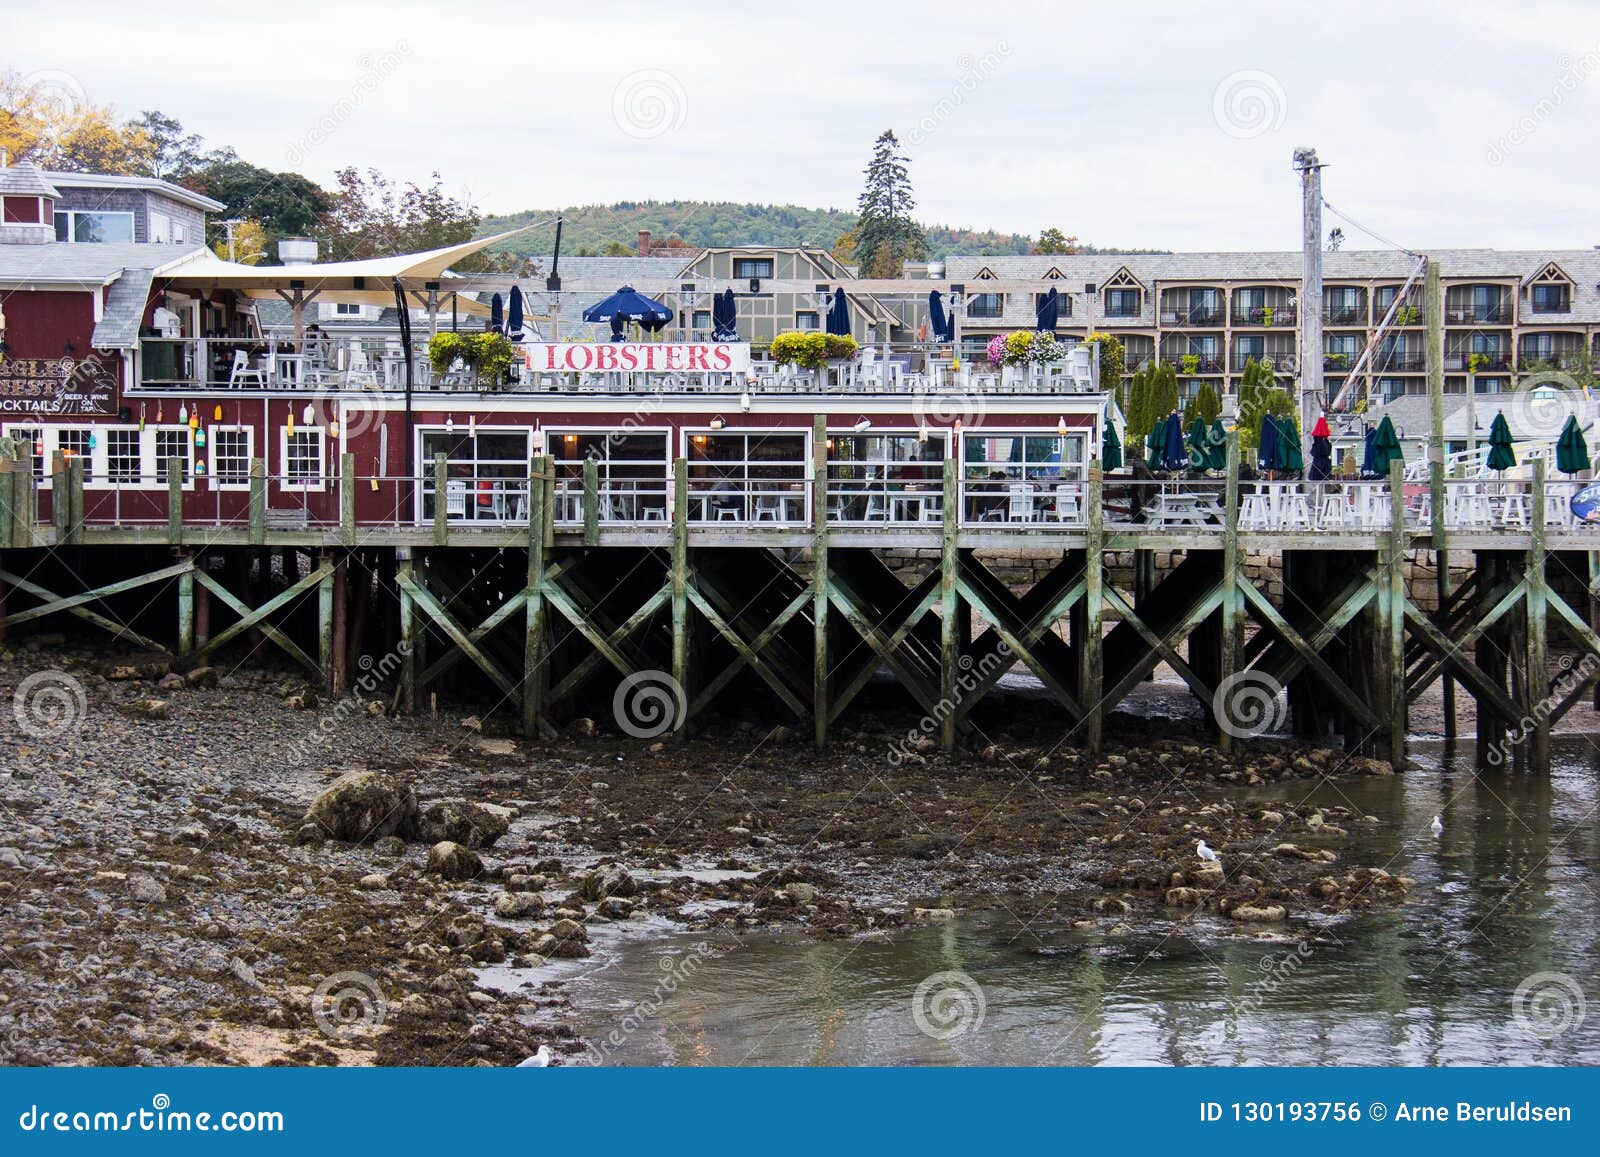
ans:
x=297 y=251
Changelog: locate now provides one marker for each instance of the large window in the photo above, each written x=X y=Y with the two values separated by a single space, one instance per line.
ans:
x=486 y=473
x=1023 y=476
x=173 y=443
x=1552 y=298
x=807 y=320
x=986 y=305
x=746 y=267
x=124 y=455
x=1122 y=303
x=631 y=468
x=83 y=226
x=231 y=451
x=886 y=477
x=754 y=476
x=302 y=459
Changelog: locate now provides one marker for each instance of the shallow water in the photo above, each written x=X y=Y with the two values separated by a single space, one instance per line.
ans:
x=1508 y=892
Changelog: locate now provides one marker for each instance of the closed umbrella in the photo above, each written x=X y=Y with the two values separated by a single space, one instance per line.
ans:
x=1289 y=458
x=1111 y=450
x=1048 y=311
x=1501 y=456
x=1572 y=451
x=839 y=314
x=1267 y=444
x=1174 y=455
x=514 y=313
x=938 y=319
x=1321 y=452
x=1217 y=457
x=1199 y=436
x=724 y=317
x=1385 y=447
x=1154 y=443
x=1367 y=459
x=497 y=314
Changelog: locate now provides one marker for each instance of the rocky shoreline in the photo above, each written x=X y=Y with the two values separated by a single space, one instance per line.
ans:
x=221 y=868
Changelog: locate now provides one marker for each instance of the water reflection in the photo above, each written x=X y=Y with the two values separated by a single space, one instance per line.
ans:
x=1508 y=890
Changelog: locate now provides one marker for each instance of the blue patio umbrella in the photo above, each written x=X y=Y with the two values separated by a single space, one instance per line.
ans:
x=497 y=314
x=1175 y=453
x=724 y=317
x=839 y=314
x=514 y=312
x=938 y=320
x=628 y=304
x=1048 y=312
x=1368 y=468
x=1267 y=447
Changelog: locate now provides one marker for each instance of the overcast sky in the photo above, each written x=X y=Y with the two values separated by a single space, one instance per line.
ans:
x=1165 y=125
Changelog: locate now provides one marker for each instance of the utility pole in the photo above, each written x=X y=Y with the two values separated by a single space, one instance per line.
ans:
x=228 y=227
x=1310 y=170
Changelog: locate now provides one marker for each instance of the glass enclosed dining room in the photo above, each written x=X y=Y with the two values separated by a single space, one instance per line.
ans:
x=886 y=477
x=754 y=476
x=631 y=466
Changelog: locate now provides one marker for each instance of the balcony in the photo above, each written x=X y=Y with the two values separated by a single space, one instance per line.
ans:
x=1477 y=363
x=1338 y=363
x=1344 y=315
x=1269 y=316
x=1209 y=317
x=1406 y=315
x=1189 y=365
x=1498 y=314
x=1399 y=362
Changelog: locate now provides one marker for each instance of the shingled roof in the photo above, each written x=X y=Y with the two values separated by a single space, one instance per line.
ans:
x=25 y=180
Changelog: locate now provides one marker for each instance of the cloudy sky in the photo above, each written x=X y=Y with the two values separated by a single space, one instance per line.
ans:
x=1443 y=124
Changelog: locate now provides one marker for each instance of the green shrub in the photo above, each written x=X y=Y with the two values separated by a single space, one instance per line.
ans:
x=489 y=353
x=444 y=349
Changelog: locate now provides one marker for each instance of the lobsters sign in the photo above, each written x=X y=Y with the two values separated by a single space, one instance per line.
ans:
x=663 y=357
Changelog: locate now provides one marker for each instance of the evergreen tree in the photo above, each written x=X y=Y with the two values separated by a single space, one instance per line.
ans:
x=886 y=235
x=1207 y=404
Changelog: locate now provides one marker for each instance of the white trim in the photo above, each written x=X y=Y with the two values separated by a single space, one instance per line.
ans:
x=250 y=453
x=97 y=468
x=283 y=460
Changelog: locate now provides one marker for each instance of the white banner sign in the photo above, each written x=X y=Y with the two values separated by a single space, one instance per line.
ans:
x=663 y=357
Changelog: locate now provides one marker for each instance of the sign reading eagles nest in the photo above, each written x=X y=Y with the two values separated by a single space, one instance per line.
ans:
x=58 y=386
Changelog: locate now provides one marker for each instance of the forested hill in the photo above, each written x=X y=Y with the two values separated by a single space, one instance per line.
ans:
x=594 y=229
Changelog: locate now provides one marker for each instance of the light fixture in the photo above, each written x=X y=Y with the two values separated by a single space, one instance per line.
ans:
x=717 y=423
x=570 y=438
x=744 y=402
x=862 y=425
x=698 y=439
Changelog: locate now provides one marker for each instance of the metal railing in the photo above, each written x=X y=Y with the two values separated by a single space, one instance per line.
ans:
x=1270 y=316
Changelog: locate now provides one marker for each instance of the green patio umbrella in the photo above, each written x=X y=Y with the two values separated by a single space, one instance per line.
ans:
x=1111 y=450
x=1572 y=452
x=1385 y=447
x=1154 y=444
x=1501 y=456
x=1289 y=458
x=1217 y=458
x=1196 y=441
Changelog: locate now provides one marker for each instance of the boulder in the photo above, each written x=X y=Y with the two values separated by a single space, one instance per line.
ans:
x=1257 y=914
x=611 y=880
x=1184 y=898
x=518 y=905
x=933 y=914
x=569 y=930
x=801 y=893
x=451 y=861
x=152 y=709
x=144 y=889
x=364 y=805
x=205 y=677
x=460 y=822
x=615 y=908
x=373 y=882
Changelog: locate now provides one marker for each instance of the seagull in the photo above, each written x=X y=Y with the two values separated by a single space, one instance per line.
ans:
x=539 y=1060
x=1438 y=827
x=1206 y=853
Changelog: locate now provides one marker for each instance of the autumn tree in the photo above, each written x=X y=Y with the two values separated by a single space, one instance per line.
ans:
x=371 y=216
x=55 y=127
x=886 y=236
x=1052 y=241
x=249 y=245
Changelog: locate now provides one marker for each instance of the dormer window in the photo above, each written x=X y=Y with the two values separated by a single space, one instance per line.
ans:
x=1551 y=297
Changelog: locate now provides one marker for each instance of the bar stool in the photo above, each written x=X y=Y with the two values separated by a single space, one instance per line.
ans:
x=1255 y=512
x=1295 y=512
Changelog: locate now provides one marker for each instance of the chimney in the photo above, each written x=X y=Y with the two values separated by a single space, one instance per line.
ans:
x=297 y=251
x=644 y=243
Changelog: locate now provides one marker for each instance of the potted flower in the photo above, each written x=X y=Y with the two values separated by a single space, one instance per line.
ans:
x=1477 y=363
x=1266 y=316
x=1190 y=363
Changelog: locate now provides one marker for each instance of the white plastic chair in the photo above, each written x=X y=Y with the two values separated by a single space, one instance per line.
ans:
x=243 y=373
x=1019 y=506
x=455 y=499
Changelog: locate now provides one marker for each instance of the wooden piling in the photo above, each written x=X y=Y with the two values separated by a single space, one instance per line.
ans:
x=186 y=623
x=591 y=502
x=1394 y=635
x=410 y=638
x=1091 y=646
x=1232 y=600
x=950 y=641
x=679 y=577
x=819 y=581
x=441 y=490
x=535 y=670
x=1537 y=678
